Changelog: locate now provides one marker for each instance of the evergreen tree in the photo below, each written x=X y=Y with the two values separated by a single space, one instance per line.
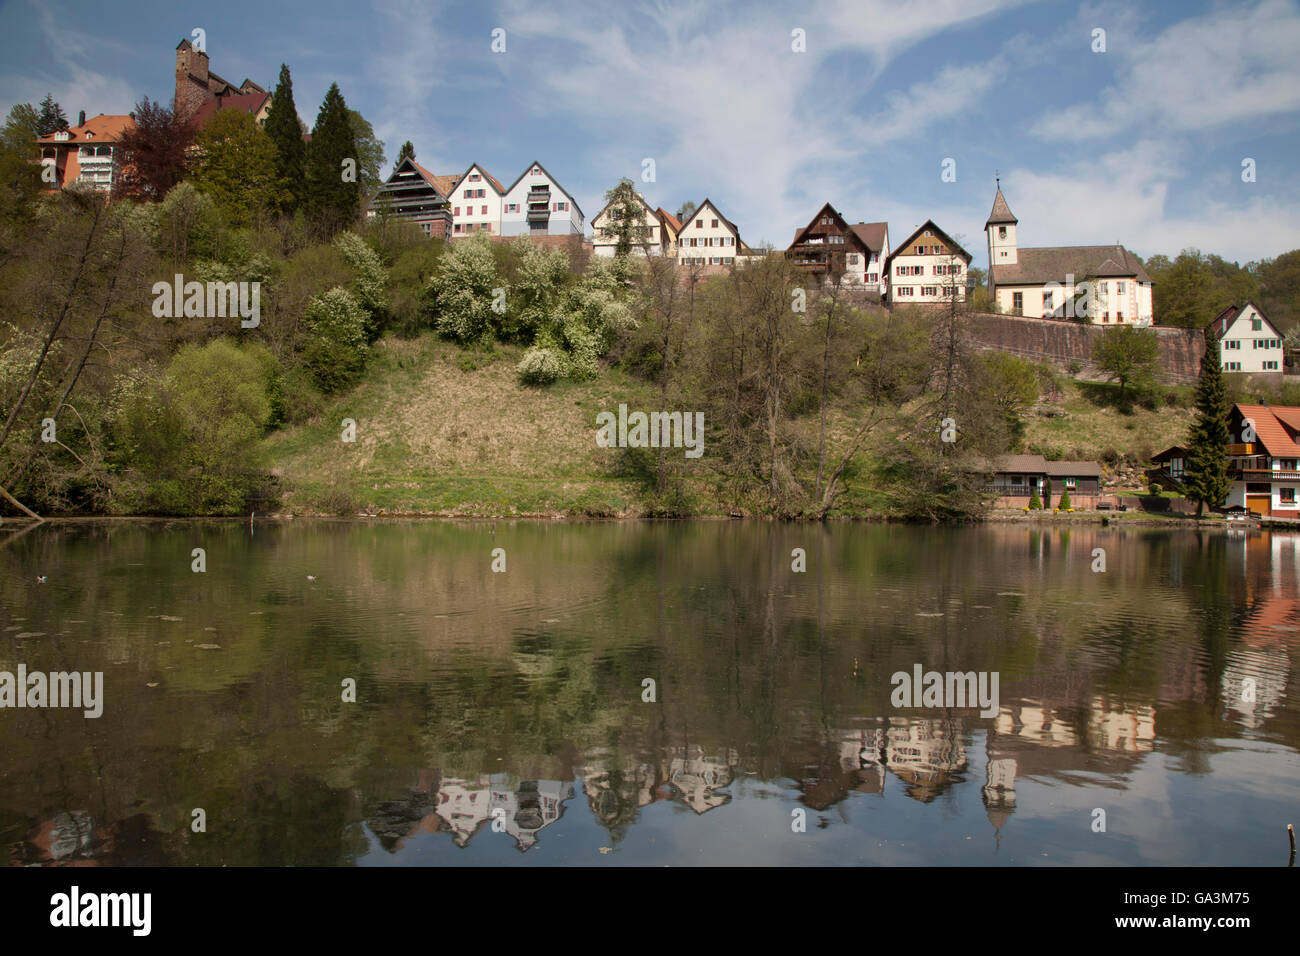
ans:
x=51 y=117
x=1206 y=476
x=406 y=152
x=333 y=196
x=290 y=151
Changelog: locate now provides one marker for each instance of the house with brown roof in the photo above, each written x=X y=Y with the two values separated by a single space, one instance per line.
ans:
x=196 y=84
x=413 y=194
x=829 y=247
x=536 y=204
x=476 y=199
x=1015 y=479
x=1248 y=341
x=255 y=104
x=928 y=267
x=1264 y=459
x=1104 y=285
x=85 y=155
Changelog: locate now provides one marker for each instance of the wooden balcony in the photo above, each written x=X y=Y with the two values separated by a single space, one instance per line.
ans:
x=1246 y=448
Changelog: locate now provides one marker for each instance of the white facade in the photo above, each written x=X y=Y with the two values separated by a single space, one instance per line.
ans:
x=537 y=205
x=603 y=242
x=475 y=204
x=928 y=268
x=1115 y=301
x=707 y=238
x=1248 y=342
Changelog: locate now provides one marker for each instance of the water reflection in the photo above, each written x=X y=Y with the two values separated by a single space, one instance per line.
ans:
x=506 y=712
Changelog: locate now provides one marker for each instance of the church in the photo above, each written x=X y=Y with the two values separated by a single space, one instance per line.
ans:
x=1049 y=281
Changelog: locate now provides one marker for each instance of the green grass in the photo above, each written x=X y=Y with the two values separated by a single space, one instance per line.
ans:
x=1089 y=424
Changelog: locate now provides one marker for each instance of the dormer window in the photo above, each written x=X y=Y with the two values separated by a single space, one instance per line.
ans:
x=62 y=136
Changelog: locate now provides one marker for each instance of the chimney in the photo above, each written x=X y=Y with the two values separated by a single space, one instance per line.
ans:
x=81 y=118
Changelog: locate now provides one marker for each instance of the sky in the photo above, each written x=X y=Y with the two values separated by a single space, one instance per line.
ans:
x=1142 y=142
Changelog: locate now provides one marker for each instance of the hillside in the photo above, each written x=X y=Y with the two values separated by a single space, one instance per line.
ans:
x=447 y=430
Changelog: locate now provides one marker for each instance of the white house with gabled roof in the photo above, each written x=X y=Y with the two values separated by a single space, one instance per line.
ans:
x=708 y=238
x=537 y=205
x=476 y=202
x=927 y=267
x=1248 y=341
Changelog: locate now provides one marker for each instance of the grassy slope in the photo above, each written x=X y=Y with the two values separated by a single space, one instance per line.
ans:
x=434 y=438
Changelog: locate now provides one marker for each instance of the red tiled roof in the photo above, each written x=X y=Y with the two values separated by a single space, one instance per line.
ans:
x=669 y=218
x=104 y=128
x=1288 y=414
x=250 y=103
x=1270 y=431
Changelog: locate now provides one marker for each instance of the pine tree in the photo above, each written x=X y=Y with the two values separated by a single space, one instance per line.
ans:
x=290 y=151
x=406 y=152
x=1206 y=476
x=51 y=118
x=333 y=196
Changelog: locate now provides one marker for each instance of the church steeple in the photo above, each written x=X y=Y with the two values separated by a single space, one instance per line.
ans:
x=1001 y=214
x=1001 y=232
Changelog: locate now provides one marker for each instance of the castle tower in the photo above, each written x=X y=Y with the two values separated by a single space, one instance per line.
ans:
x=1001 y=231
x=191 y=79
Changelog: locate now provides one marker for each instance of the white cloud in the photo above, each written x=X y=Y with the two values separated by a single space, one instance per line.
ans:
x=1232 y=65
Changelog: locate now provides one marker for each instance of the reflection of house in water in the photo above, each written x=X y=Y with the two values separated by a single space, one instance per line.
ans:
x=523 y=808
x=999 y=792
x=1271 y=567
x=926 y=754
x=696 y=777
x=71 y=838
x=686 y=774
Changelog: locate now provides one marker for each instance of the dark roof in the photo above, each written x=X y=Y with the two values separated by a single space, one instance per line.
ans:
x=1053 y=263
x=486 y=175
x=828 y=208
x=1220 y=324
x=872 y=234
x=1001 y=211
x=250 y=103
x=552 y=179
x=1173 y=451
x=902 y=248
x=1072 y=469
x=1038 y=465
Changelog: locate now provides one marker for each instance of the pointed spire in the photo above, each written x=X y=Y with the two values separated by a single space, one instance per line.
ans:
x=1001 y=211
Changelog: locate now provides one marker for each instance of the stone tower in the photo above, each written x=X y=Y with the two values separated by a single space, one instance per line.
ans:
x=191 y=79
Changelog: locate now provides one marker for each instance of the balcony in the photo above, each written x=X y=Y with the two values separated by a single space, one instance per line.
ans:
x=1259 y=468
x=1246 y=448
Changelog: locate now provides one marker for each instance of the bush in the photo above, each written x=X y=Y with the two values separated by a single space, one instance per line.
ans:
x=1035 y=502
x=336 y=348
x=1064 y=503
x=1075 y=367
x=542 y=366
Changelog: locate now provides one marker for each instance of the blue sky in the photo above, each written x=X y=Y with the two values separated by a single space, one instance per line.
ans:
x=1141 y=144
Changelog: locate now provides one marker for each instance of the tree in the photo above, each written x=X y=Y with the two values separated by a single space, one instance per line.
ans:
x=51 y=117
x=333 y=196
x=1130 y=355
x=1194 y=288
x=406 y=152
x=285 y=131
x=236 y=166
x=685 y=211
x=1279 y=288
x=1205 y=478
x=20 y=178
x=626 y=218
x=370 y=152
x=1011 y=385
x=154 y=155
x=1035 y=502
x=1064 y=503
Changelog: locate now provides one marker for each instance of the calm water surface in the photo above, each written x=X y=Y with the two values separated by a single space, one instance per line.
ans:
x=503 y=717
